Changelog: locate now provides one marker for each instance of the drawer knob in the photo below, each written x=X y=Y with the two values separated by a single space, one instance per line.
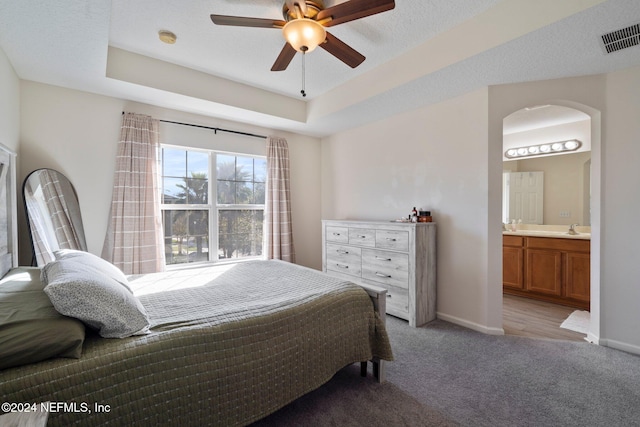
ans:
x=383 y=259
x=383 y=275
x=362 y=237
x=342 y=251
x=342 y=266
x=391 y=239
x=336 y=234
x=388 y=295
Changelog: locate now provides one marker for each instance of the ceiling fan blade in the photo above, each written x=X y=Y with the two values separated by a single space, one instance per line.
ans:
x=282 y=61
x=342 y=51
x=241 y=21
x=352 y=10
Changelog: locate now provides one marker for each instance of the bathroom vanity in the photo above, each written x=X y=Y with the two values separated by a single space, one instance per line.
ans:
x=547 y=265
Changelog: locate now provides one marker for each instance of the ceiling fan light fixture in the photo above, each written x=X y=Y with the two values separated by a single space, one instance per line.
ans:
x=304 y=34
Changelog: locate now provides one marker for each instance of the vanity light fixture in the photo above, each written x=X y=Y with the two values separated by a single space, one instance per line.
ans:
x=542 y=149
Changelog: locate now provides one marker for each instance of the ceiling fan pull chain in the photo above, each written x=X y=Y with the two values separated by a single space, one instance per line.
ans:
x=303 y=76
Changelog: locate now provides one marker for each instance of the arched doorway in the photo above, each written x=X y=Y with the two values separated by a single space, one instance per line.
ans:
x=554 y=121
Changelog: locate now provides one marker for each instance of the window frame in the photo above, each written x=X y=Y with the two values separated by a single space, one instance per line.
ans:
x=212 y=207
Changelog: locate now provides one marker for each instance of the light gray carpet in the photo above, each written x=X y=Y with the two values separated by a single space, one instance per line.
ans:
x=448 y=375
x=351 y=400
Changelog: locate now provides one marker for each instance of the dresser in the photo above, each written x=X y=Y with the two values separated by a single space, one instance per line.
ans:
x=400 y=257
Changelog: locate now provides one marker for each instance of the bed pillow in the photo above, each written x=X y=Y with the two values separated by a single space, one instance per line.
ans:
x=31 y=329
x=89 y=289
x=97 y=263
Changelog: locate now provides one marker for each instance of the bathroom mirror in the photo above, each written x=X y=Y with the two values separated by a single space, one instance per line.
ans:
x=53 y=215
x=564 y=197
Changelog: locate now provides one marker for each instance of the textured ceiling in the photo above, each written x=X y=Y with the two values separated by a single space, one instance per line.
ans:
x=246 y=54
x=421 y=52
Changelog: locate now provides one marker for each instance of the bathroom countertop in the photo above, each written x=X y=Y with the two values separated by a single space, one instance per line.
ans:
x=548 y=233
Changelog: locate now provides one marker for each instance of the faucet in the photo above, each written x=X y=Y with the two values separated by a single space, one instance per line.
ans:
x=572 y=229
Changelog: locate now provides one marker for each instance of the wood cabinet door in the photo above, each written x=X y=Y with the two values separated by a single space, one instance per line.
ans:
x=512 y=267
x=543 y=271
x=578 y=276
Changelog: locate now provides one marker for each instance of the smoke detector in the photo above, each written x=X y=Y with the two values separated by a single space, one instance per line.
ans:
x=167 y=36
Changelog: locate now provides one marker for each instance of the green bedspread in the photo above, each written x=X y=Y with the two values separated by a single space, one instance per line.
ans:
x=228 y=351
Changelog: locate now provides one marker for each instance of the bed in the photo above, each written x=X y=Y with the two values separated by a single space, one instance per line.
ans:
x=224 y=345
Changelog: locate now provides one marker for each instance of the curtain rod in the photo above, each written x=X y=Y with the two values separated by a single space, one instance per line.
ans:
x=214 y=129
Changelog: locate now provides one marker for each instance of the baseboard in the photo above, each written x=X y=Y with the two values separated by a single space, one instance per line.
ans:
x=618 y=345
x=471 y=325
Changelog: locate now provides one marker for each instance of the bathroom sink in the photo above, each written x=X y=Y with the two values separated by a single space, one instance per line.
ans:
x=549 y=233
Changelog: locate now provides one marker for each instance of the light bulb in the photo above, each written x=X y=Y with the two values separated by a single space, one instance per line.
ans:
x=304 y=34
x=571 y=145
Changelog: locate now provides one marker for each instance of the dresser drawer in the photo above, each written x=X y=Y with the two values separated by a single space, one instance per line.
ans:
x=389 y=239
x=398 y=257
x=362 y=237
x=337 y=234
x=344 y=259
x=389 y=268
x=398 y=301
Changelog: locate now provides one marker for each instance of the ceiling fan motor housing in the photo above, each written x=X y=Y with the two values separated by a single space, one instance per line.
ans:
x=313 y=7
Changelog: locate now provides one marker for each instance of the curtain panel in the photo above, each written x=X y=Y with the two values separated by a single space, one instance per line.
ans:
x=277 y=223
x=134 y=241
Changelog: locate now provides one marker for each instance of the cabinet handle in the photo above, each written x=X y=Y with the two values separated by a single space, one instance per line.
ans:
x=383 y=275
x=342 y=251
x=336 y=234
x=383 y=259
x=391 y=239
x=388 y=295
x=342 y=266
x=362 y=237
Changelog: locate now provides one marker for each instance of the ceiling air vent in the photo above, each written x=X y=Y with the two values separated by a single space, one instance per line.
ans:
x=621 y=39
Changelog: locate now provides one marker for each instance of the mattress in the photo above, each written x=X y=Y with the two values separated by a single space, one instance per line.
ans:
x=226 y=347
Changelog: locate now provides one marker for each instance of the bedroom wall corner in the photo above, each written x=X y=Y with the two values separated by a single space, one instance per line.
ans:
x=75 y=133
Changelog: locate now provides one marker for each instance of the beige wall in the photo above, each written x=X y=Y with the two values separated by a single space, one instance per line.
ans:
x=77 y=133
x=9 y=104
x=434 y=158
x=620 y=206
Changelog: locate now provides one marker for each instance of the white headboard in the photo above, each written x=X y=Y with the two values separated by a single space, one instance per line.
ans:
x=8 y=211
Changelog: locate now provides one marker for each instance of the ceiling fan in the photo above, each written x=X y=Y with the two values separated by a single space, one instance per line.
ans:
x=304 y=25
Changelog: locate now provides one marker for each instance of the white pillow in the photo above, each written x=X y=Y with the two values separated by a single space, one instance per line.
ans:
x=96 y=262
x=88 y=288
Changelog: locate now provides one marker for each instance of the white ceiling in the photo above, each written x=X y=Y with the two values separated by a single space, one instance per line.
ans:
x=539 y=116
x=421 y=52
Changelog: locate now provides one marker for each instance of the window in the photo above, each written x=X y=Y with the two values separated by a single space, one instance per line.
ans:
x=212 y=205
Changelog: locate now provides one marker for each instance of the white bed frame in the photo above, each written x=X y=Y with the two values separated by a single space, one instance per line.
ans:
x=8 y=211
